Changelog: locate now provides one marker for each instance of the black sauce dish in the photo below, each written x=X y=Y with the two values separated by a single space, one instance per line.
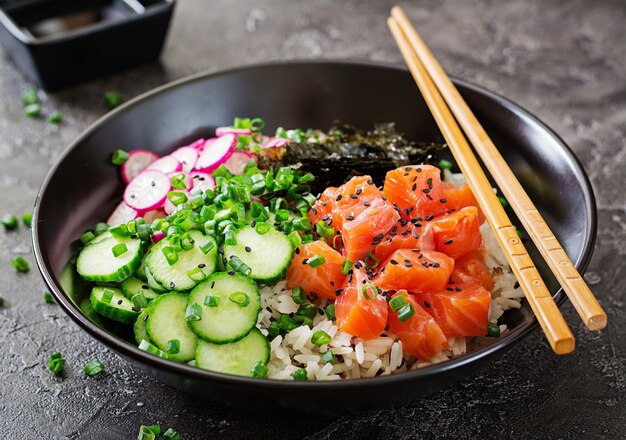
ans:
x=82 y=188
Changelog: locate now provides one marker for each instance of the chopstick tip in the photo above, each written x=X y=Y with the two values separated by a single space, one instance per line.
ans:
x=597 y=322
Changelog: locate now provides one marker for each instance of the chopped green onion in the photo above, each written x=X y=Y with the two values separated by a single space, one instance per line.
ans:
x=120 y=231
x=56 y=363
x=28 y=219
x=32 y=110
x=303 y=320
x=149 y=348
x=119 y=249
x=294 y=239
x=196 y=274
x=193 y=313
x=397 y=303
x=503 y=202
x=100 y=228
x=171 y=434
x=206 y=247
x=493 y=330
x=320 y=337
x=337 y=242
x=139 y=300
x=112 y=99
x=55 y=117
x=259 y=370
x=211 y=301
x=323 y=230
x=30 y=97
x=178 y=181
x=308 y=310
x=48 y=298
x=281 y=215
x=298 y=295
x=300 y=374
x=330 y=312
x=316 y=261
x=286 y=323
x=280 y=204
x=230 y=238
x=308 y=238
x=308 y=177
x=20 y=264
x=301 y=224
x=273 y=330
x=372 y=288
x=240 y=298
x=93 y=368
x=170 y=255
x=107 y=296
x=87 y=237
x=262 y=228
x=148 y=432
x=328 y=357
x=9 y=221
x=347 y=265
x=406 y=312
x=236 y=263
x=177 y=198
x=119 y=157
x=445 y=164
x=144 y=232
x=187 y=242
x=173 y=346
x=371 y=256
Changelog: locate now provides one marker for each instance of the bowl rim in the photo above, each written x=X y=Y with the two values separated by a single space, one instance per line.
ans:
x=129 y=351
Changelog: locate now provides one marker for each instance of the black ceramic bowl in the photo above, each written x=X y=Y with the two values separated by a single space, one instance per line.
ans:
x=82 y=188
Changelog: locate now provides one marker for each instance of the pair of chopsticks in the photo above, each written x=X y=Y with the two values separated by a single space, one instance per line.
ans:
x=446 y=104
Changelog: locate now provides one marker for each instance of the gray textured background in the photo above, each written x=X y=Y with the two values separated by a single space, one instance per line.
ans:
x=563 y=60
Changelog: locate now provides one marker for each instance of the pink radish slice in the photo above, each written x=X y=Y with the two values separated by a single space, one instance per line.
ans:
x=198 y=145
x=122 y=214
x=166 y=164
x=216 y=153
x=169 y=207
x=237 y=162
x=186 y=178
x=202 y=181
x=147 y=191
x=276 y=142
x=157 y=236
x=151 y=216
x=187 y=156
x=221 y=131
x=137 y=161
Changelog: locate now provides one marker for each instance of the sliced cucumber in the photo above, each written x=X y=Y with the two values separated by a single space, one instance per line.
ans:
x=118 y=308
x=96 y=261
x=132 y=286
x=269 y=255
x=235 y=358
x=140 y=325
x=154 y=284
x=227 y=321
x=141 y=272
x=176 y=277
x=166 y=321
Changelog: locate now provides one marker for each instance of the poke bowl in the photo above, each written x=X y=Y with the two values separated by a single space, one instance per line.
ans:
x=292 y=289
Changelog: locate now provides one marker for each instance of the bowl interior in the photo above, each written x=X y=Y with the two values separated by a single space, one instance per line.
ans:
x=83 y=187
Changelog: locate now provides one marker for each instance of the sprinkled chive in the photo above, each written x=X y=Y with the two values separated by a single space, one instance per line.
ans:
x=347 y=265
x=273 y=330
x=320 y=337
x=144 y=232
x=445 y=164
x=308 y=310
x=152 y=349
x=178 y=181
x=119 y=157
x=323 y=230
x=330 y=312
x=286 y=323
x=259 y=370
x=9 y=221
x=294 y=239
x=298 y=295
x=30 y=97
x=300 y=374
x=87 y=237
x=281 y=215
x=112 y=99
x=48 y=298
x=100 y=228
x=107 y=296
x=119 y=249
x=55 y=117
x=493 y=330
x=170 y=254
x=139 y=300
x=56 y=363
x=171 y=434
x=328 y=357
x=196 y=274
x=406 y=312
x=28 y=219
x=187 y=243
x=373 y=257
x=206 y=247
x=240 y=298
x=262 y=228
x=303 y=320
x=397 y=303
x=503 y=202
x=372 y=288
x=193 y=313
x=236 y=263
x=148 y=432
x=20 y=264
x=316 y=261
x=173 y=346
x=32 y=110
x=211 y=301
x=177 y=198
x=93 y=368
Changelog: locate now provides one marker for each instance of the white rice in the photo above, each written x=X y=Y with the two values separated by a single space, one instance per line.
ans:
x=355 y=357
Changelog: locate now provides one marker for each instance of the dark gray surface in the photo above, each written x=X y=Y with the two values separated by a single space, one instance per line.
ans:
x=564 y=61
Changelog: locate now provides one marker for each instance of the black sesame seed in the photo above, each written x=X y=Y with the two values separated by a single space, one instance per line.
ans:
x=414 y=187
x=408 y=265
x=384 y=198
x=435 y=264
x=448 y=241
x=393 y=262
x=358 y=265
x=277 y=223
x=429 y=197
x=359 y=191
x=152 y=183
x=405 y=174
x=405 y=233
x=225 y=261
x=426 y=190
x=370 y=182
x=212 y=284
x=338 y=292
x=248 y=249
x=220 y=250
x=145 y=287
x=408 y=169
x=332 y=284
x=313 y=296
x=253 y=223
x=120 y=302
x=366 y=203
x=136 y=309
x=430 y=182
x=353 y=196
x=297 y=251
x=231 y=272
x=458 y=289
x=201 y=266
x=172 y=285
x=449 y=289
x=314 y=211
x=427 y=304
x=516 y=285
x=132 y=196
x=419 y=170
x=429 y=218
x=350 y=217
x=305 y=261
x=320 y=311
x=145 y=318
x=338 y=198
x=443 y=201
x=424 y=263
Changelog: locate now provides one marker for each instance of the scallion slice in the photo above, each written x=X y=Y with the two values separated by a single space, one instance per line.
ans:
x=328 y=357
x=119 y=157
x=28 y=219
x=170 y=254
x=493 y=330
x=445 y=164
x=119 y=249
x=397 y=303
x=298 y=295
x=152 y=349
x=20 y=264
x=406 y=312
x=259 y=370
x=171 y=434
x=374 y=261
x=240 y=298
x=211 y=301
x=320 y=337
x=139 y=300
x=316 y=261
x=193 y=313
x=56 y=363
x=372 y=288
x=347 y=265
x=300 y=374
x=330 y=312
x=173 y=346
x=9 y=221
x=93 y=368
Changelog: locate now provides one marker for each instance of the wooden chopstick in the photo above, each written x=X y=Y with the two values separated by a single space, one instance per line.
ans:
x=554 y=326
x=575 y=287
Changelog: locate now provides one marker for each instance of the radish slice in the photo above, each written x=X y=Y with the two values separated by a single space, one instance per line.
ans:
x=122 y=214
x=147 y=191
x=221 y=131
x=198 y=145
x=169 y=207
x=157 y=236
x=276 y=142
x=202 y=181
x=151 y=216
x=237 y=162
x=216 y=153
x=187 y=156
x=166 y=164
x=186 y=178
x=137 y=161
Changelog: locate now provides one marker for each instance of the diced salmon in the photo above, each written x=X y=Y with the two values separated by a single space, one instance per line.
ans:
x=323 y=207
x=324 y=280
x=471 y=269
x=457 y=234
x=415 y=190
x=414 y=271
x=421 y=336
x=357 y=315
x=459 y=198
x=460 y=310
x=409 y=236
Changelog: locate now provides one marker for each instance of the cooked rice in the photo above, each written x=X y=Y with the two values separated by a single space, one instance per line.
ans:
x=357 y=358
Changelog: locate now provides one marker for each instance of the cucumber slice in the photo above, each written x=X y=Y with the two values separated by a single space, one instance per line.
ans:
x=96 y=261
x=166 y=321
x=153 y=284
x=235 y=358
x=119 y=308
x=132 y=286
x=140 y=325
x=228 y=321
x=269 y=255
x=141 y=272
x=175 y=277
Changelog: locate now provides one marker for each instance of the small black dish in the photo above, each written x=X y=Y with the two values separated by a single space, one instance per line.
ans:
x=57 y=43
x=82 y=188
